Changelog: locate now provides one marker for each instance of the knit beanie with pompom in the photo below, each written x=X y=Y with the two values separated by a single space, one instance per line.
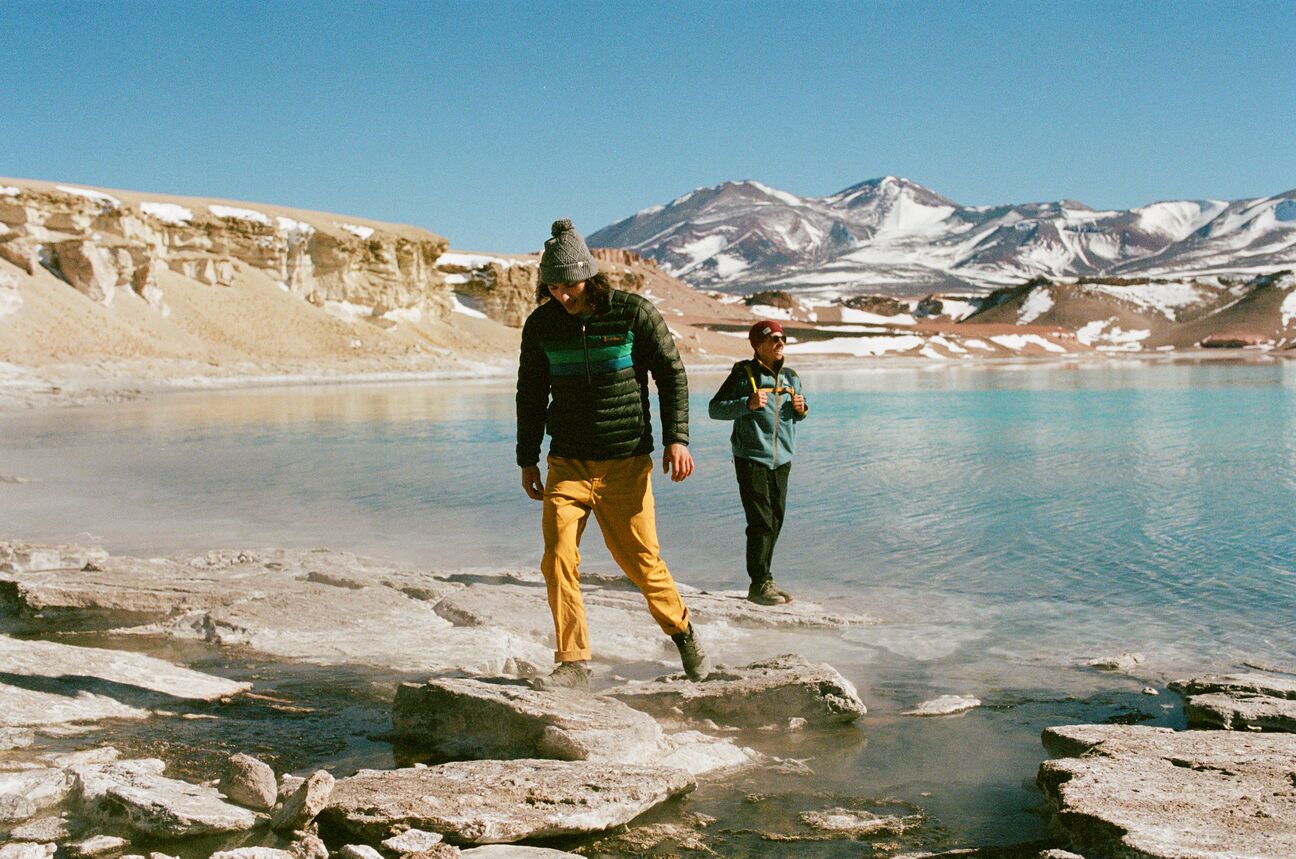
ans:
x=566 y=259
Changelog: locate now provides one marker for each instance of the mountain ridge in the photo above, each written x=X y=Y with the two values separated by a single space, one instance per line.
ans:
x=893 y=235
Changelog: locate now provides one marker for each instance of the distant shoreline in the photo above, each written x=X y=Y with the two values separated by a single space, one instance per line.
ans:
x=64 y=385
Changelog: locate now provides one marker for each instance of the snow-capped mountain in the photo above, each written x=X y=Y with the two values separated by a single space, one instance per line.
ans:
x=894 y=235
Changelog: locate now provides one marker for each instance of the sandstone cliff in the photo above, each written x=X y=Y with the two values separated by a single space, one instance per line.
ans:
x=101 y=242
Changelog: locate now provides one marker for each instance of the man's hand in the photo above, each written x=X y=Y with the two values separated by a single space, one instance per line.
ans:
x=799 y=404
x=757 y=400
x=677 y=462
x=532 y=483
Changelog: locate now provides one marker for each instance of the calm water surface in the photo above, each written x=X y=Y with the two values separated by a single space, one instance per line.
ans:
x=1007 y=523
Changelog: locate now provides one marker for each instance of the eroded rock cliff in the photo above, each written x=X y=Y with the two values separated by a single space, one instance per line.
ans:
x=101 y=243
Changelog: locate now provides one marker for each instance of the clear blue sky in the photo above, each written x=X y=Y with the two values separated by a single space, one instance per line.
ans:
x=484 y=120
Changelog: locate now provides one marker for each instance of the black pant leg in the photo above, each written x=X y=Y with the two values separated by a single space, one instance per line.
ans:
x=778 y=485
x=754 y=487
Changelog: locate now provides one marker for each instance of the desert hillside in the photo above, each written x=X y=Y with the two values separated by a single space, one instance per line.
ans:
x=146 y=288
x=160 y=284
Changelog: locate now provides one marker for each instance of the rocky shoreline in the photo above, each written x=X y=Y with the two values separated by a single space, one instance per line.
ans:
x=95 y=647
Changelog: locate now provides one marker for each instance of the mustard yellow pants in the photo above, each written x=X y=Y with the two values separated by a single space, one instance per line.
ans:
x=619 y=493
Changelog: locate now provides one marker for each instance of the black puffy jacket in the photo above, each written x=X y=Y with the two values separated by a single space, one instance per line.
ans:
x=585 y=380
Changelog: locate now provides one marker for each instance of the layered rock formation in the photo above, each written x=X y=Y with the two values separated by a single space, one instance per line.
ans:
x=504 y=288
x=102 y=243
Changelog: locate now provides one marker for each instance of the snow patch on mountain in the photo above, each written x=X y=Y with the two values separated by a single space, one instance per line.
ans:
x=1039 y=302
x=1178 y=219
x=1288 y=309
x=1018 y=342
x=1163 y=298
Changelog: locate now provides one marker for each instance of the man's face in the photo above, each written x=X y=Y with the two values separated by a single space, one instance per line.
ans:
x=570 y=295
x=770 y=350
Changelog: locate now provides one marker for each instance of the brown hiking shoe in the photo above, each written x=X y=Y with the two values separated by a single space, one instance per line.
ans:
x=767 y=593
x=568 y=675
x=696 y=664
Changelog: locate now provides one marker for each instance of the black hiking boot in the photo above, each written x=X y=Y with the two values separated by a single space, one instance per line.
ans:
x=568 y=675
x=696 y=664
x=767 y=593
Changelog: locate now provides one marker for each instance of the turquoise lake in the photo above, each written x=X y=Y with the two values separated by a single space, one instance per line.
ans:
x=1005 y=523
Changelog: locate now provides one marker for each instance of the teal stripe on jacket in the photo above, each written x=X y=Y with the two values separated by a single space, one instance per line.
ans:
x=568 y=358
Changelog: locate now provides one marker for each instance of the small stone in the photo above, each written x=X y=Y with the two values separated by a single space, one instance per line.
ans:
x=359 y=851
x=309 y=846
x=249 y=782
x=96 y=845
x=288 y=784
x=253 y=853
x=308 y=801
x=1123 y=662
x=1148 y=690
x=413 y=841
x=945 y=705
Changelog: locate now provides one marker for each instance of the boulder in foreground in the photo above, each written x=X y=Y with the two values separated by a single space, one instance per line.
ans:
x=492 y=802
x=463 y=718
x=1135 y=791
x=469 y=718
x=769 y=692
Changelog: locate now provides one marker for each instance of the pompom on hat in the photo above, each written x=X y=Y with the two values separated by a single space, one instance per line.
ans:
x=566 y=259
x=763 y=329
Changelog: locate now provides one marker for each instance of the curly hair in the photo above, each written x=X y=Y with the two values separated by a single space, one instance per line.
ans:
x=598 y=292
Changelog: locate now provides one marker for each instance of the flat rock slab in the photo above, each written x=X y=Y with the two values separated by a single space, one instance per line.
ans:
x=1247 y=701
x=316 y=606
x=1241 y=712
x=49 y=683
x=769 y=692
x=1247 y=683
x=27 y=557
x=469 y=718
x=491 y=802
x=1135 y=791
x=25 y=793
x=135 y=794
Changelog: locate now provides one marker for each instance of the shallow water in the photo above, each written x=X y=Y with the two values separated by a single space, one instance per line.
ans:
x=1007 y=523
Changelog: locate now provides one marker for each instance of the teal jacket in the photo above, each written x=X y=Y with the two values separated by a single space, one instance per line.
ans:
x=767 y=435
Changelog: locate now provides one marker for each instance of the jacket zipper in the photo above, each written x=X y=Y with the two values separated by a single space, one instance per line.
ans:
x=589 y=379
x=776 y=418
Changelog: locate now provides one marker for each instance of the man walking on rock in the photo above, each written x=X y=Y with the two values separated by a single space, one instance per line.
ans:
x=763 y=398
x=586 y=354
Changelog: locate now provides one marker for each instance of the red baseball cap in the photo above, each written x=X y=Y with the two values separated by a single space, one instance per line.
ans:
x=764 y=329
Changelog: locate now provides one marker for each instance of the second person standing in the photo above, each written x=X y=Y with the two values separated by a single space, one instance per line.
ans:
x=764 y=400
